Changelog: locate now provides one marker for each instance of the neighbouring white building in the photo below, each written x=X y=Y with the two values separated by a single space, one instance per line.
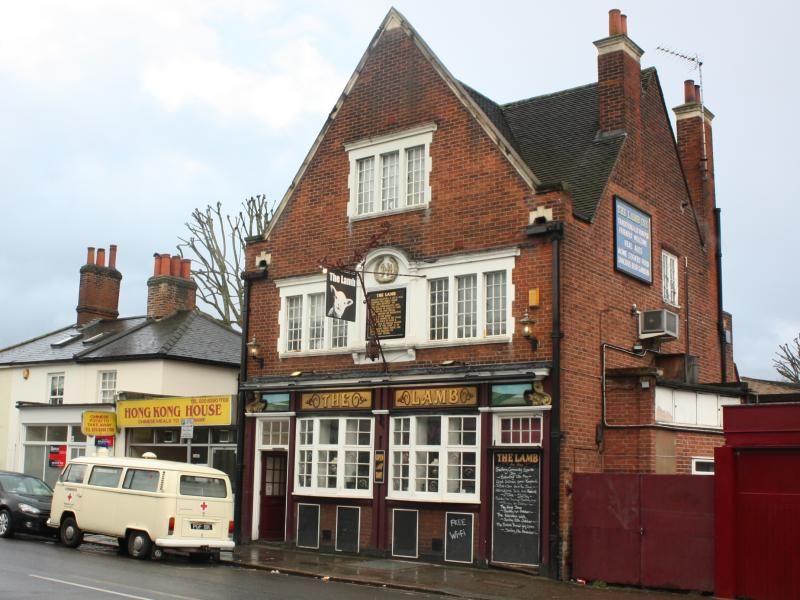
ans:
x=175 y=356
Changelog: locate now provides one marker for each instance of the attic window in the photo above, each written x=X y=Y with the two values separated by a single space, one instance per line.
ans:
x=67 y=340
x=95 y=338
x=390 y=173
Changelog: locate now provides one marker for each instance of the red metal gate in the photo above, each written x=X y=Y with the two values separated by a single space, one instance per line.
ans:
x=649 y=530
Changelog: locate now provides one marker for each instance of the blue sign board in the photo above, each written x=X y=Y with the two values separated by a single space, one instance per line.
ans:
x=632 y=241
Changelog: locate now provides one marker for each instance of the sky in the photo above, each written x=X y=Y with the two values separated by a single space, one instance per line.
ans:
x=119 y=117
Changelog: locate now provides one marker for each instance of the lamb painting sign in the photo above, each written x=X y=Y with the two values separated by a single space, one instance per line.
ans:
x=340 y=295
x=171 y=412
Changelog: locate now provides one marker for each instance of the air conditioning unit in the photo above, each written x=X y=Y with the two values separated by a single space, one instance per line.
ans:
x=658 y=324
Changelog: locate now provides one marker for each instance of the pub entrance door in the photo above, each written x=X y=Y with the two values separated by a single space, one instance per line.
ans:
x=272 y=520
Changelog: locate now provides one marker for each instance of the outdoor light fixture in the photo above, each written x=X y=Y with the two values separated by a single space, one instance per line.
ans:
x=254 y=350
x=527 y=331
x=295 y=374
x=373 y=351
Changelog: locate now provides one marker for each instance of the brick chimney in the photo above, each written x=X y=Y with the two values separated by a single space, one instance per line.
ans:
x=98 y=293
x=619 y=78
x=693 y=123
x=171 y=287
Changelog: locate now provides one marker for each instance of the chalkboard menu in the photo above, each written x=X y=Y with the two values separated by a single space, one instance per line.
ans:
x=347 y=521
x=308 y=525
x=515 y=508
x=389 y=311
x=458 y=543
x=404 y=533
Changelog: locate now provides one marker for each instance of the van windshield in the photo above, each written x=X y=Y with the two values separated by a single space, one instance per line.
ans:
x=210 y=487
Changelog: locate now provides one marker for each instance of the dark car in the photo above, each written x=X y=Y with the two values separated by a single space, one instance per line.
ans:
x=24 y=504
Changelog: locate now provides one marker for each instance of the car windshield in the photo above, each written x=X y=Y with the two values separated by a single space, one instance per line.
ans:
x=22 y=484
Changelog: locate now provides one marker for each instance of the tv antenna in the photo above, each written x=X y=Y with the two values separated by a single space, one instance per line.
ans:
x=696 y=63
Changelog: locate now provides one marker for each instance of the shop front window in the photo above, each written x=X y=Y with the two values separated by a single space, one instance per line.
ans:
x=334 y=456
x=427 y=464
x=46 y=447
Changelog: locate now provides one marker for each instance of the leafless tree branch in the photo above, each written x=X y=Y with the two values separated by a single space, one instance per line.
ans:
x=216 y=244
x=787 y=361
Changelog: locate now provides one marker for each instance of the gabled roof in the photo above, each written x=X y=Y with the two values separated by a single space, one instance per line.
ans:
x=184 y=335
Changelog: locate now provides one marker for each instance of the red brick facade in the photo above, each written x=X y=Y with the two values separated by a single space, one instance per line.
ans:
x=481 y=197
x=98 y=294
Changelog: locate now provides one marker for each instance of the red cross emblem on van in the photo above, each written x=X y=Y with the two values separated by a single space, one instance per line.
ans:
x=204 y=506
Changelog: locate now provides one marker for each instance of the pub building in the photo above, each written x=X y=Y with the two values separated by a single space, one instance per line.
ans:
x=459 y=306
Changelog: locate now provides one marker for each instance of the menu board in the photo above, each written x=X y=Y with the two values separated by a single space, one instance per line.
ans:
x=515 y=508
x=389 y=313
x=458 y=541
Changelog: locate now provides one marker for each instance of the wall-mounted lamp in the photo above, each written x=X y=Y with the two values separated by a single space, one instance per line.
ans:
x=373 y=350
x=295 y=374
x=254 y=351
x=527 y=331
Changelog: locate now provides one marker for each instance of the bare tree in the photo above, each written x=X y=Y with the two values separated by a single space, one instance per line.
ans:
x=787 y=363
x=216 y=246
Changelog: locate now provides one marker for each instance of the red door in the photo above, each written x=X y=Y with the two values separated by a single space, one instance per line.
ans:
x=272 y=520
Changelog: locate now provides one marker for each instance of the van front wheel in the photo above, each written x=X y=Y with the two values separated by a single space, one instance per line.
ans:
x=139 y=544
x=71 y=534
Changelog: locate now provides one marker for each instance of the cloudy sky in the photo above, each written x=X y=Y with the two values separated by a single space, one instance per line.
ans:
x=119 y=117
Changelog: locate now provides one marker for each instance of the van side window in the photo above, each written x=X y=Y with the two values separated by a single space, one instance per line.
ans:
x=73 y=474
x=210 y=487
x=105 y=476
x=139 y=479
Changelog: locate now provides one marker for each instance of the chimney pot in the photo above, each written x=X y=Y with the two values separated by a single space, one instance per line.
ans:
x=156 y=263
x=186 y=268
x=90 y=256
x=175 y=266
x=697 y=92
x=688 y=91
x=112 y=256
x=101 y=257
x=623 y=24
x=614 y=22
x=164 y=268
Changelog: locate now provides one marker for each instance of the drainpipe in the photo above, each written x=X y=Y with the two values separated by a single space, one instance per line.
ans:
x=554 y=568
x=247 y=277
x=723 y=342
x=554 y=230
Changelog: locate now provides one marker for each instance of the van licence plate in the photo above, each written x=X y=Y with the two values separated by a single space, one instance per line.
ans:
x=200 y=526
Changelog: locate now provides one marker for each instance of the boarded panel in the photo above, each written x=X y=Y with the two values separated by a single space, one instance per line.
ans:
x=678 y=532
x=347 y=528
x=308 y=525
x=404 y=532
x=606 y=528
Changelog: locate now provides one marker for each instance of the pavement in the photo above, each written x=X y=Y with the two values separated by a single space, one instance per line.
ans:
x=475 y=583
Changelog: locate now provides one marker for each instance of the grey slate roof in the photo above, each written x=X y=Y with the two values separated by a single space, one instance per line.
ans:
x=557 y=135
x=184 y=335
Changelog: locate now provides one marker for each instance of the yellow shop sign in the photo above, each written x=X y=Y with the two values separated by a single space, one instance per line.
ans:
x=95 y=423
x=169 y=412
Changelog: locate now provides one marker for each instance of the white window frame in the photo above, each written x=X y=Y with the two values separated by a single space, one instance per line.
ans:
x=498 y=417
x=702 y=459
x=341 y=447
x=268 y=427
x=444 y=448
x=369 y=202
x=669 y=278
x=690 y=408
x=332 y=329
x=453 y=329
x=104 y=389
x=55 y=399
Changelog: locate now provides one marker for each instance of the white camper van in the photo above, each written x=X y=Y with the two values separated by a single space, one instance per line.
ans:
x=147 y=504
